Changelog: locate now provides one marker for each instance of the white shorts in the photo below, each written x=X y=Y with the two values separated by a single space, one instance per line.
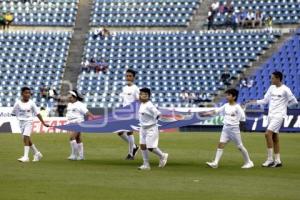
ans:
x=274 y=124
x=231 y=133
x=26 y=128
x=149 y=136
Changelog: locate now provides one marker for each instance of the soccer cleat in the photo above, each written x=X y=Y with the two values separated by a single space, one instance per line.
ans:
x=248 y=165
x=72 y=157
x=276 y=164
x=268 y=163
x=80 y=158
x=163 y=161
x=129 y=157
x=135 y=150
x=144 y=167
x=23 y=159
x=37 y=157
x=212 y=164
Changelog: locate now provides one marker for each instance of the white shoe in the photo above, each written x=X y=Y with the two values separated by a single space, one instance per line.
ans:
x=23 y=159
x=268 y=163
x=80 y=158
x=37 y=157
x=144 y=167
x=163 y=161
x=72 y=157
x=212 y=164
x=248 y=165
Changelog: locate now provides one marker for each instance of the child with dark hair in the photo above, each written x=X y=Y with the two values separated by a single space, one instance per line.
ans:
x=25 y=109
x=130 y=94
x=279 y=97
x=149 y=133
x=76 y=111
x=233 y=115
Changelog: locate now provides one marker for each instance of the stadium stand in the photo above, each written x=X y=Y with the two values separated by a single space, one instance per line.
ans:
x=282 y=11
x=287 y=61
x=169 y=62
x=33 y=59
x=143 y=12
x=44 y=13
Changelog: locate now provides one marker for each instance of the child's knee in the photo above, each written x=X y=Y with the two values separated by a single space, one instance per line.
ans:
x=143 y=147
x=221 y=145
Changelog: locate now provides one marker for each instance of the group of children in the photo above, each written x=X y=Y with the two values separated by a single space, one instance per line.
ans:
x=278 y=96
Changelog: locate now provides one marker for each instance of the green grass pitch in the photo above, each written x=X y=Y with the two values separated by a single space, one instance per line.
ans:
x=106 y=175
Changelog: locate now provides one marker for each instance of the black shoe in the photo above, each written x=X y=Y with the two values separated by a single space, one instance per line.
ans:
x=129 y=157
x=135 y=150
x=276 y=164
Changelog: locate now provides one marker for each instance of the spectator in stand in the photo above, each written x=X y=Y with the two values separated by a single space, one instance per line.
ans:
x=191 y=97
x=102 y=33
x=259 y=18
x=269 y=24
x=210 y=19
x=213 y=11
x=226 y=77
x=215 y=7
x=92 y=65
x=2 y=21
x=8 y=19
x=61 y=105
x=250 y=19
x=243 y=17
x=85 y=66
x=102 y=66
x=184 y=96
x=228 y=8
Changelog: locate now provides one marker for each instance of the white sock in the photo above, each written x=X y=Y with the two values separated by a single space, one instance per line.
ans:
x=218 y=155
x=74 y=150
x=277 y=157
x=158 y=152
x=244 y=153
x=270 y=153
x=124 y=137
x=80 y=149
x=131 y=144
x=34 y=149
x=26 y=151
x=145 y=157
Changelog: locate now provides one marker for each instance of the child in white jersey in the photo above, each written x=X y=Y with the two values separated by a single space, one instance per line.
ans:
x=25 y=109
x=76 y=112
x=149 y=134
x=279 y=97
x=233 y=115
x=130 y=93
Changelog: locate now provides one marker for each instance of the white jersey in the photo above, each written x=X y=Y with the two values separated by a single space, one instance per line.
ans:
x=76 y=111
x=129 y=94
x=148 y=114
x=233 y=114
x=278 y=98
x=25 y=111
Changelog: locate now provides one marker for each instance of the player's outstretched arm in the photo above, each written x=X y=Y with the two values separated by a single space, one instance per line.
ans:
x=90 y=115
x=42 y=120
x=208 y=113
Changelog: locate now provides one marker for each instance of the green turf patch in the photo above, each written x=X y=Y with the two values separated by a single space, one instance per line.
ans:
x=106 y=175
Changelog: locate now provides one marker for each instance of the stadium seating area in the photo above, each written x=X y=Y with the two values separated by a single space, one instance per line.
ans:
x=143 y=12
x=33 y=59
x=44 y=13
x=286 y=60
x=169 y=62
x=282 y=11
